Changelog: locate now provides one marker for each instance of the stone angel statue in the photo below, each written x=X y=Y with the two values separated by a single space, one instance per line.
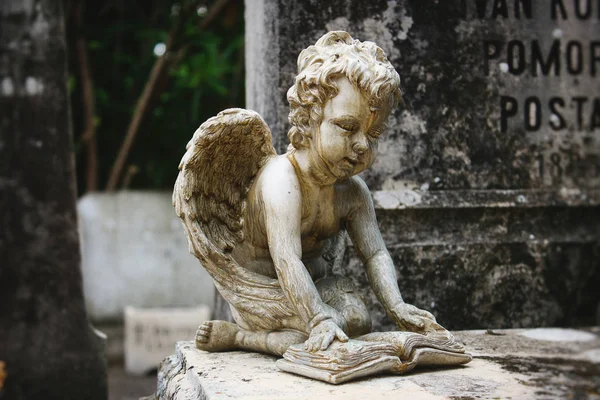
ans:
x=261 y=223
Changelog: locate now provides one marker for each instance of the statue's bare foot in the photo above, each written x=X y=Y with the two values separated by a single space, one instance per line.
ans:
x=217 y=336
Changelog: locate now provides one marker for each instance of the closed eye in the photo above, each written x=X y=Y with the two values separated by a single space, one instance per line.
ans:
x=345 y=123
x=345 y=127
x=375 y=133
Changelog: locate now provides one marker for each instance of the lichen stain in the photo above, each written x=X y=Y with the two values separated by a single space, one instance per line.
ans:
x=16 y=7
x=399 y=198
x=380 y=28
x=33 y=86
x=338 y=24
x=558 y=376
x=412 y=123
x=7 y=87
x=406 y=23
x=40 y=28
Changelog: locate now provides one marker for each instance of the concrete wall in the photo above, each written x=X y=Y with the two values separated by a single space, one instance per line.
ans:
x=486 y=200
x=135 y=253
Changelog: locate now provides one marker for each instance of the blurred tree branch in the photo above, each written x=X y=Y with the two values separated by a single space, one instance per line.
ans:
x=173 y=55
x=87 y=99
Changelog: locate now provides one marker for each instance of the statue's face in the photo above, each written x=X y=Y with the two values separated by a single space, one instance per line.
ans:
x=346 y=140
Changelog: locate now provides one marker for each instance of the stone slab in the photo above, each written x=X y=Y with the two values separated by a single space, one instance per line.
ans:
x=135 y=241
x=507 y=364
x=492 y=220
x=458 y=63
x=150 y=334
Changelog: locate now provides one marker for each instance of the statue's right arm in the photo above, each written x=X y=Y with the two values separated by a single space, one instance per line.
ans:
x=282 y=206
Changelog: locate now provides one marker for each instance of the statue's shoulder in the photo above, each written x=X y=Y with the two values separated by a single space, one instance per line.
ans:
x=279 y=167
x=353 y=188
x=278 y=178
x=353 y=194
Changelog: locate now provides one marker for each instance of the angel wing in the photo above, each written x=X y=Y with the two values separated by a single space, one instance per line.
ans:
x=216 y=173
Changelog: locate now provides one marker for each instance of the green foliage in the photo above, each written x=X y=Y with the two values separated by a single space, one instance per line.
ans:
x=121 y=36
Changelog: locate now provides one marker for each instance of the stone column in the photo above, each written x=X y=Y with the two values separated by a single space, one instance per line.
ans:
x=49 y=348
x=487 y=183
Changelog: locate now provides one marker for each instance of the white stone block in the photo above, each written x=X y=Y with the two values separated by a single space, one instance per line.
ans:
x=135 y=252
x=193 y=374
x=507 y=365
x=150 y=334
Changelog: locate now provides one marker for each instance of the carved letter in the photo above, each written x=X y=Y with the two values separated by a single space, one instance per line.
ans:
x=508 y=109
x=491 y=50
x=574 y=56
x=516 y=62
x=500 y=8
x=557 y=123
x=595 y=118
x=579 y=102
x=578 y=9
x=594 y=56
x=533 y=113
x=527 y=8
x=563 y=11
x=545 y=65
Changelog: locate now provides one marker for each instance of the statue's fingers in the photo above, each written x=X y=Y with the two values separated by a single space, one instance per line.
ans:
x=327 y=341
x=426 y=314
x=415 y=322
x=341 y=336
x=309 y=344
x=315 y=343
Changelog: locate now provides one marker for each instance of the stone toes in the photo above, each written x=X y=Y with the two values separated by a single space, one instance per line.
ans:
x=204 y=330
x=203 y=333
x=205 y=327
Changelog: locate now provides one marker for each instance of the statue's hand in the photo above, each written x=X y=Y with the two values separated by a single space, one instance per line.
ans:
x=323 y=334
x=413 y=319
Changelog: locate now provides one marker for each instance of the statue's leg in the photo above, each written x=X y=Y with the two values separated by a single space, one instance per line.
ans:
x=339 y=292
x=223 y=336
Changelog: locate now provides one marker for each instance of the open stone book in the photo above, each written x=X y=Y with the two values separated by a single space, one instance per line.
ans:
x=381 y=352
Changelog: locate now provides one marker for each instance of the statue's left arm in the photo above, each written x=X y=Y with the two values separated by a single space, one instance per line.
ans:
x=364 y=232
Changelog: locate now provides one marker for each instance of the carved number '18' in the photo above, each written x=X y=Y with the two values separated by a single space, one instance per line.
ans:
x=567 y=163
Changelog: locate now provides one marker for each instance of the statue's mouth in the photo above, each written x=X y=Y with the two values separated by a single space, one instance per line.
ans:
x=351 y=161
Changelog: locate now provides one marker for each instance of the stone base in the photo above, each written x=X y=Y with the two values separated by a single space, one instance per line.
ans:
x=151 y=333
x=539 y=363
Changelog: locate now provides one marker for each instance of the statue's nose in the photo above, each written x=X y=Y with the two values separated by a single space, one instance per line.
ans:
x=360 y=145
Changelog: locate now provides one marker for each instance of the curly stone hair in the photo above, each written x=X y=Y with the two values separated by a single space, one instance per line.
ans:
x=334 y=55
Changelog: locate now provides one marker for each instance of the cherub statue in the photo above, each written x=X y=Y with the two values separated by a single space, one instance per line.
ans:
x=261 y=223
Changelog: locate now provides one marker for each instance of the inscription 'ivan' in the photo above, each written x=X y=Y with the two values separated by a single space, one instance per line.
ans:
x=523 y=9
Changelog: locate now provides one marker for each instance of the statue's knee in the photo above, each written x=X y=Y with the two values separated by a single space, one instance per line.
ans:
x=340 y=293
x=358 y=319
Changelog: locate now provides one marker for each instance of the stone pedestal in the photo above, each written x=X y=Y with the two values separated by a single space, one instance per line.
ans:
x=151 y=333
x=516 y=364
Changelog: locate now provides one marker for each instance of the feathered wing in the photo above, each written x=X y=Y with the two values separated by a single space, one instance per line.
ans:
x=215 y=175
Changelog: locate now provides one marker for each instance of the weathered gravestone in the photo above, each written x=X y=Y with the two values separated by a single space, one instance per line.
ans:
x=46 y=342
x=487 y=183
